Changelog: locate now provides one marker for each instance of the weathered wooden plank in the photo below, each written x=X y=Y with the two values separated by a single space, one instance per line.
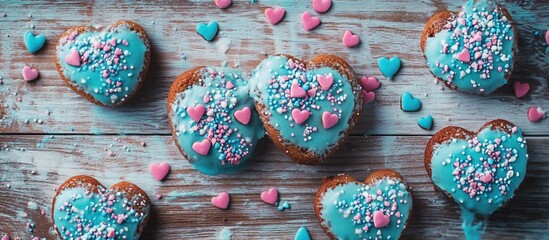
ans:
x=387 y=28
x=184 y=212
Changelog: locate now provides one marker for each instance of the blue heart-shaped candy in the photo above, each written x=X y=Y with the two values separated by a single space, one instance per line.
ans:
x=389 y=67
x=207 y=31
x=409 y=104
x=302 y=234
x=34 y=43
x=106 y=65
x=355 y=210
x=425 y=122
x=480 y=171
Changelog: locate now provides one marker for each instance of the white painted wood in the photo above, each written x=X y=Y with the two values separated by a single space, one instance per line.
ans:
x=185 y=212
x=386 y=28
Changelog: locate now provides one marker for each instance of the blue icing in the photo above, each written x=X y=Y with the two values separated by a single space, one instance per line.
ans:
x=234 y=140
x=272 y=82
x=111 y=63
x=471 y=230
x=348 y=210
x=481 y=173
x=474 y=57
x=81 y=214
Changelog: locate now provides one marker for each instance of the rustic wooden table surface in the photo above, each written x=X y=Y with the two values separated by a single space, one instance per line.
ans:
x=48 y=133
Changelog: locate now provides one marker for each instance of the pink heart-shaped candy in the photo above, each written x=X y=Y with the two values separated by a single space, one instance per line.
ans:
x=329 y=119
x=29 y=74
x=297 y=91
x=73 y=58
x=368 y=96
x=300 y=116
x=380 y=219
x=369 y=83
x=274 y=15
x=243 y=115
x=222 y=4
x=322 y=6
x=202 y=147
x=159 y=170
x=196 y=112
x=309 y=22
x=350 y=40
x=270 y=196
x=520 y=89
x=325 y=81
x=464 y=56
x=222 y=200
x=535 y=114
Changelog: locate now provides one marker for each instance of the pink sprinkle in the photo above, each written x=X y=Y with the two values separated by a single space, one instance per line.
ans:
x=108 y=210
x=111 y=154
x=120 y=218
x=111 y=233
x=158 y=196
x=229 y=85
x=486 y=178
x=106 y=48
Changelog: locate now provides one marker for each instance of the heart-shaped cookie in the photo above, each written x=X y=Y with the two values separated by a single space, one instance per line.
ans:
x=105 y=66
x=472 y=50
x=213 y=120
x=481 y=170
x=378 y=208
x=307 y=107
x=84 y=209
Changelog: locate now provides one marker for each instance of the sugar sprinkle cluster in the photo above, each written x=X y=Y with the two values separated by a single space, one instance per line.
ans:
x=477 y=40
x=372 y=210
x=104 y=55
x=113 y=207
x=477 y=179
x=296 y=93
x=214 y=118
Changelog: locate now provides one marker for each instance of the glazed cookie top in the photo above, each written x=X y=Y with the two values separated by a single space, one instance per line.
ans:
x=378 y=210
x=474 y=52
x=304 y=104
x=104 y=64
x=106 y=214
x=215 y=122
x=481 y=172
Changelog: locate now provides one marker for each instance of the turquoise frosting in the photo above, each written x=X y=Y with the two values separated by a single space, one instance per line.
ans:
x=472 y=230
x=481 y=173
x=234 y=141
x=486 y=40
x=271 y=86
x=81 y=214
x=348 y=210
x=111 y=63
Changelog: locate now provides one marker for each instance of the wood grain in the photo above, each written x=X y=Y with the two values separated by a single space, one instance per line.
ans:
x=66 y=135
x=184 y=212
x=388 y=28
